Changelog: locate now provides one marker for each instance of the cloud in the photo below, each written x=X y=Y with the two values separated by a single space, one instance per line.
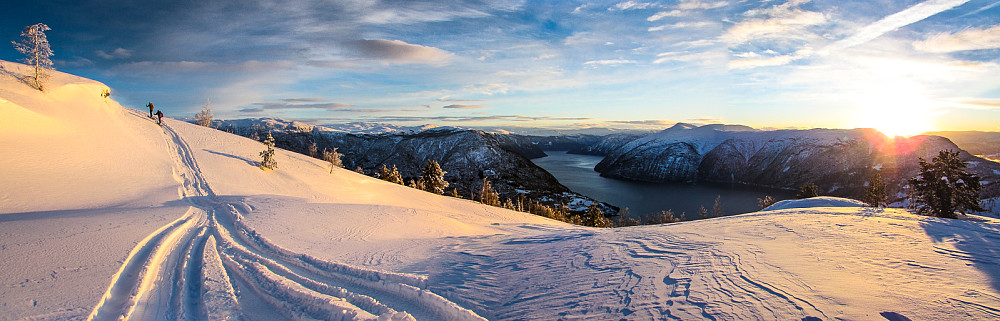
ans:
x=679 y=25
x=397 y=51
x=456 y=106
x=979 y=102
x=664 y=14
x=416 y=12
x=520 y=118
x=119 y=53
x=294 y=103
x=968 y=39
x=696 y=4
x=651 y=122
x=894 y=21
x=631 y=5
x=303 y=100
x=754 y=60
x=784 y=22
x=609 y=62
x=446 y=99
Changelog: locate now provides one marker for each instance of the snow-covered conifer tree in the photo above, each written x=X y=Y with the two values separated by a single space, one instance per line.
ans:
x=268 y=154
x=35 y=46
x=943 y=187
x=875 y=192
x=432 y=178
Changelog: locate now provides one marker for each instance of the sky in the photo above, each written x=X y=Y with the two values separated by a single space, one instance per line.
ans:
x=900 y=66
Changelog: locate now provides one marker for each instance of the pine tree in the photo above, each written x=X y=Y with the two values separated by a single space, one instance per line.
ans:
x=359 y=170
x=333 y=157
x=205 y=116
x=268 y=154
x=391 y=176
x=432 y=178
x=454 y=193
x=35 y=46
x=487 y=195
x=702 y=212
x=943 y=187
x=875 y=192
x=807 y=190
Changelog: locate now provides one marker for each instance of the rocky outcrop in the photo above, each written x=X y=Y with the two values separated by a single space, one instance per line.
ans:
x=839 y=161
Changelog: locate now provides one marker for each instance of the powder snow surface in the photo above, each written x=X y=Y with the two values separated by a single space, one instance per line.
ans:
x=105 y=215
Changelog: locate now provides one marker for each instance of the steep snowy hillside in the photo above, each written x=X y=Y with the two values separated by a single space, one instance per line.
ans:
x=197 y=231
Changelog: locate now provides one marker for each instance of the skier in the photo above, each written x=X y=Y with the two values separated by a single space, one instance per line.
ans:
x=159 y=120
x=150 y=105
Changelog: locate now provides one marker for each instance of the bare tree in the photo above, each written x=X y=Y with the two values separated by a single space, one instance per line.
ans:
x=205 y=116
x=35 y=46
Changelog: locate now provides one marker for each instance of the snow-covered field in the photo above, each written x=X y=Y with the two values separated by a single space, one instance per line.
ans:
x=104 y=214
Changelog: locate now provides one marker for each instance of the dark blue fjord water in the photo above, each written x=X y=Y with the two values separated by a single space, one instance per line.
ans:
x=577 y=173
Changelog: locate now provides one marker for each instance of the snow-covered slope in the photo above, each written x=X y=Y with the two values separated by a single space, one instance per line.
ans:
x=198 y=232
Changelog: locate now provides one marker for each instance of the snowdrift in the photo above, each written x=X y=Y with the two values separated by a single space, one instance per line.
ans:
x=822 y=201
x=106 y=215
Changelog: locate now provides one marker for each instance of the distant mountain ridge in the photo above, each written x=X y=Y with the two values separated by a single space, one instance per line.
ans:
x=467 y=155
x=838 y=160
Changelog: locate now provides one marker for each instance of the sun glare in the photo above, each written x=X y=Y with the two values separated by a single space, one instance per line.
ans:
x=896 y=112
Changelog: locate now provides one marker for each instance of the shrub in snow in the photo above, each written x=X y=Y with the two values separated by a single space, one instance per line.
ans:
x=717 y=206
x=205 y=116
x=702 y=212
x=807 y=190
x=35 y=46
x=594 y=217
x=765 y=202
x=267 y=155
x=875 y=194
x=661 y=217
x=333 y=157
x=623 y=219
x=487 y=195
x=943 y=187
x=432 y=178
x=313 y=150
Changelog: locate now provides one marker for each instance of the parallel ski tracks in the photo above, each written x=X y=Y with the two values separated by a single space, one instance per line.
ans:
x=189 y=269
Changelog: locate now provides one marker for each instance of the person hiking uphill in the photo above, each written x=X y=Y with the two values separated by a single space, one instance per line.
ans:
x=150 y=105
x=159 y=119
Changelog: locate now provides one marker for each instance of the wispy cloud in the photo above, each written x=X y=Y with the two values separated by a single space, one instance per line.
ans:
x=609 y=62
x=397 y=51
x=968 y=39
x=446 y=99
x=288 y=104
x=631 y=5
x=695 y=24
x=457 y=106
x=784 y=21
x=118 y=53
x=894 y=21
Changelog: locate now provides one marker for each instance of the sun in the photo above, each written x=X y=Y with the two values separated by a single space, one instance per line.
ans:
x=896 y=113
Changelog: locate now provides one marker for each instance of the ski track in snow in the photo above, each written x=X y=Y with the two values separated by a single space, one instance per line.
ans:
x=207 y=262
